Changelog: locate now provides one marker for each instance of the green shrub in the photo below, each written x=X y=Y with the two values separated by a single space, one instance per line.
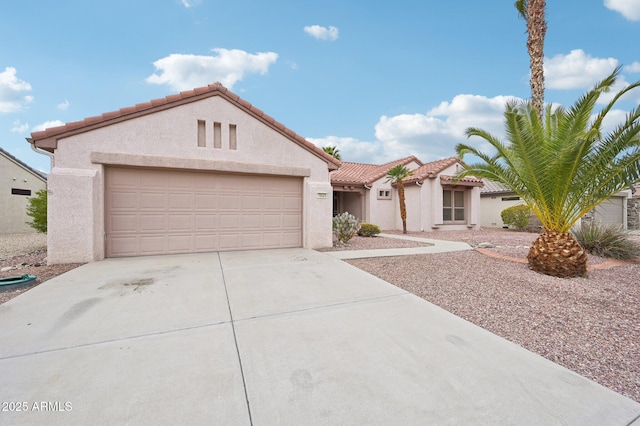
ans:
x=37 y=209
x=345 y=226
x=607 y=241
x=368 y=229
x=517 y=216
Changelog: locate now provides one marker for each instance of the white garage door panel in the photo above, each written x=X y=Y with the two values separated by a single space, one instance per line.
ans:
x=610 y=211
x=152 y=211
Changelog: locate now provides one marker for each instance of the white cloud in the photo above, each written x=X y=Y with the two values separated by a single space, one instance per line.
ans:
x=434 y=135
x=621 y=83
x=577 y=70
x=614 y=118
x=352 y=149
x=12 y=98
x=322 y=33
x=19 y=127
x=47 y=125
x=63 y=106
x=185 y=72
x=633 y=68
x=429 y=136
x=630 y=9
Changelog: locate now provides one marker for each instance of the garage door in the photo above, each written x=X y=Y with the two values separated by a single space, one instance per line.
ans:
x=610 y=211
x=151 y=211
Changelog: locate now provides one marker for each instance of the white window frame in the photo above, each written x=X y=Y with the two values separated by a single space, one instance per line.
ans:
x=384 y=194
x=453 y=207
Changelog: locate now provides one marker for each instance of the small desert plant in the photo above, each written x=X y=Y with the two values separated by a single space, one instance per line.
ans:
x=345 y=226
x=517 y=216
x=368 y=229
x=606 y=241
x=37 y=209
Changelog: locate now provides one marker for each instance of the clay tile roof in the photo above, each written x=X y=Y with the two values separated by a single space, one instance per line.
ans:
x=47 y=139
x=430 y=170
x=468 y=181
x=365 y=174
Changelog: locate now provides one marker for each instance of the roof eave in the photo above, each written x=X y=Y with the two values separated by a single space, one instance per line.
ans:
x=50 y=137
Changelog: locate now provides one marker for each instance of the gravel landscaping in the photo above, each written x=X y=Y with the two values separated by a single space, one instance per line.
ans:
x=589 y=325
x=22 y=254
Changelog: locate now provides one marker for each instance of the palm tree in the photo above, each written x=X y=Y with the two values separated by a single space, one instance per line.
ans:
x=333 y=151
x=533 y=11
x=562 y=166
x=396 y=175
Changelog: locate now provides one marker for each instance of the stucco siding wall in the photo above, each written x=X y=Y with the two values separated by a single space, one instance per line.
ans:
x=13 y=208
x=413 y=200
x=383 y=212
x=170 y=138
x=72 y=227
x=491 y=207
x=174 y=133
x=317 y=224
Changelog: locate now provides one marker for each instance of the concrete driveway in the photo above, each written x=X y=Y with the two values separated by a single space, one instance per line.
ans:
x=289 y=337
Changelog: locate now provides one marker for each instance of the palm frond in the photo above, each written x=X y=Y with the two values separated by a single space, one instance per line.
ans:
x=561 y=165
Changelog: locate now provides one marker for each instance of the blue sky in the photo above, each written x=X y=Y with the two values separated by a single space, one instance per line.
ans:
x=379 y=80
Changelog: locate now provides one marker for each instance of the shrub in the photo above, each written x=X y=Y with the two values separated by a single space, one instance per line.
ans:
x=368 y=229
x=517 y=216
x=607 y=241
x=345 y=226
x=37 y=209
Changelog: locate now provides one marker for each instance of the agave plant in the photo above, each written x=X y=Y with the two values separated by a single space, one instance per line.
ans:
x=562 y=166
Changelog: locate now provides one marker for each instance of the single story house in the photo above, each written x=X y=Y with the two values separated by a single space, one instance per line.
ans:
x=202 y=170
x=496 y=197
x=18 y=182
x=434 y=200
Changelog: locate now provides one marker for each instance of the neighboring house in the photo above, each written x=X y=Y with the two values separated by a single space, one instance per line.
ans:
x=198 y=171
x=633 y=209
x=434 y=201
x=18 y=182
x=496 y=197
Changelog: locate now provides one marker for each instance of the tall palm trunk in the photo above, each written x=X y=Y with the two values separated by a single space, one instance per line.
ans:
x=403 y=206
x=558 y=254
x=536 y=29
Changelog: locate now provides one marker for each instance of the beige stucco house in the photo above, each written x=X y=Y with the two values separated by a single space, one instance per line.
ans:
x=434 y=200
x=18 y=182
x=496 y=197
x=198 y=171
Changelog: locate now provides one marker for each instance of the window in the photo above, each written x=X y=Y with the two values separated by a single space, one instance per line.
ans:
x=510 y=198
x=452 y=205
x=202 y=133
x=384 y=194
x=217 y=135
x=233 y=137
x=18 y=191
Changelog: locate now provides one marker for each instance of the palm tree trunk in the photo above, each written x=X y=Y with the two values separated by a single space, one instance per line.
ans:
x=558 y=254
x=403 y=206
x=536 y=29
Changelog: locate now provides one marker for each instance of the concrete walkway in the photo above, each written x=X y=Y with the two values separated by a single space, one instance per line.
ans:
x=272 y=337
x=437 y=246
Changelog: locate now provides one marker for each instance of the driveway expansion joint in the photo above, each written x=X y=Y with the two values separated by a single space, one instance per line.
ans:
x=235 y=340
x=330 y=305
x=124 y=339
